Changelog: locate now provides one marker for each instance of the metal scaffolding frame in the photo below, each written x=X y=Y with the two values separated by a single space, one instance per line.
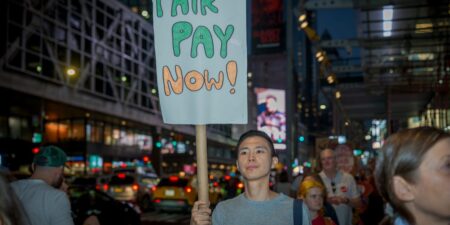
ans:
x=92 y=54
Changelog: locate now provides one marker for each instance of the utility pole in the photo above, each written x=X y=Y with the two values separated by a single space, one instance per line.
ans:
x=290 y=86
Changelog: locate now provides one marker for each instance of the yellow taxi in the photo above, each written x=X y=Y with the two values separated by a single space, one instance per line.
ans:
x=178 y=193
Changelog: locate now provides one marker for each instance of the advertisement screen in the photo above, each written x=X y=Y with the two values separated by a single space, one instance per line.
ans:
x=272 y=115
x=268 y=31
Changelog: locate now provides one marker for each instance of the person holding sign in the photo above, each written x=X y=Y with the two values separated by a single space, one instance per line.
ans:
x=258 y=205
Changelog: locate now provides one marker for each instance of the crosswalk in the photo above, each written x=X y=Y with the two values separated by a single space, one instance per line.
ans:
x=175 y=218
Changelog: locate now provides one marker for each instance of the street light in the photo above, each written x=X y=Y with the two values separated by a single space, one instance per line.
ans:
x=321 y=58
x=304 y=25
x=330 y=79
x=71 y=71
x=319 y=54
x=302 y=17
x=338 y=95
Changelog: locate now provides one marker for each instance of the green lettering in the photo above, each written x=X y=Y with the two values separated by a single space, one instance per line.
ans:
x=194 y=7
x=159 y=11
x=180 y=32
x=224 y=38
x=184 y=7
x=208 y=4
x=202 y=36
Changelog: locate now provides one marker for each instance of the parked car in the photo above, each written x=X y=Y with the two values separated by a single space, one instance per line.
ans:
x=134 y=188
x=88 y=201
x=179 y=194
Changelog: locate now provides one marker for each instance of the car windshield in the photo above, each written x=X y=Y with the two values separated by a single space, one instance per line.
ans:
x=173 y=182
x=121 y=180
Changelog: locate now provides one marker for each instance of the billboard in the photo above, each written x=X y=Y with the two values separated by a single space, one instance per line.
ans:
x=268 y=29
x=272 y=115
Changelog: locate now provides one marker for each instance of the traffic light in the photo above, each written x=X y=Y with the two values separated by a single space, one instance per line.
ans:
x=35 y=150
x=301 y=138
x=357 y=152
x=37 y=138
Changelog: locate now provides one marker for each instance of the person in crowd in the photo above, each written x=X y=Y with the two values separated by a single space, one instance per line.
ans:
x=40 y=195
x=296 y=185
x=373 y=212
x=283 y=185
x=258 y=205
x=313 y=192
x=342 y=192
x=328 y=209
x=11 y=210
x=413 y=175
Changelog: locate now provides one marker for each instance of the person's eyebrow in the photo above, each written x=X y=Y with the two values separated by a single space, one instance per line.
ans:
x=261 y=146
x=242 y=148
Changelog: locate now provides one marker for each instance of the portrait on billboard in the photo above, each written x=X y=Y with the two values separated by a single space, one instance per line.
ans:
x=272 y=115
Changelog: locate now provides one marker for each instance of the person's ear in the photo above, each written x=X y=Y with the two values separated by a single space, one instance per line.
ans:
x=403 y=190
x=274 y=162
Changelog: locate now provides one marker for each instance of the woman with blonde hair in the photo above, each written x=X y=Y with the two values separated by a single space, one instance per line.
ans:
x=312 y=192
x=413 y=175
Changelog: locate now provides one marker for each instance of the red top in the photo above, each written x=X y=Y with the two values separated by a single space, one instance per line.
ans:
x=320 y=220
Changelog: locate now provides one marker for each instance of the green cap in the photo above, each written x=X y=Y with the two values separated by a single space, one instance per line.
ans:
x=50 y=156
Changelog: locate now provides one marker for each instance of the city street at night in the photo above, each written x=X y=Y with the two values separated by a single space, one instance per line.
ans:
x=133 y=112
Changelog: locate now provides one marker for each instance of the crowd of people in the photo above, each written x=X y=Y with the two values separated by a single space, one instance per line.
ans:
x=410 y=185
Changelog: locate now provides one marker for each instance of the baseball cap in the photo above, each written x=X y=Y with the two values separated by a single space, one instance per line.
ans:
x=50 y=156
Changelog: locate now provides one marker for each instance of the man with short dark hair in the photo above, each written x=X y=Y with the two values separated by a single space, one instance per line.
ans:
x=44 y=203
x=258 y=205
x=341 y=187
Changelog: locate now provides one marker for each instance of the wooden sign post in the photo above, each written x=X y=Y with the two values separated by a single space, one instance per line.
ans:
x=202 y=163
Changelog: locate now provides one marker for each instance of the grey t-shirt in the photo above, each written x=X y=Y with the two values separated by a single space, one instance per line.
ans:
x=43 y=203
x=240 y=210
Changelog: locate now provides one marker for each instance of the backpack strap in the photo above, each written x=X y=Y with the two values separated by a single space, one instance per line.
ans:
x=298 y=212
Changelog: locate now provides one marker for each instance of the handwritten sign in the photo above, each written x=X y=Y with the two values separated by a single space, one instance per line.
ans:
x=201 y=60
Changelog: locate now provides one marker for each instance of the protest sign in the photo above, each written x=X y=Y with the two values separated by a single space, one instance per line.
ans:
x=201 y=60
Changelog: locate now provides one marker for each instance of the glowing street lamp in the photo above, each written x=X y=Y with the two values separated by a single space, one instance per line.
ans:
x=330 y=79
x=304 y=25
x=302 y=17
x=71 y=71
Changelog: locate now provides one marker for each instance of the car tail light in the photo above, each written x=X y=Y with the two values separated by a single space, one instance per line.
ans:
x=105 y=187
x=135 y=187
x=154 y=188
x=157 y=200
x=215 y=184
x=97 y=187
x=121 y=175
x=173 y=178
x=188 y=189
x=240 y=185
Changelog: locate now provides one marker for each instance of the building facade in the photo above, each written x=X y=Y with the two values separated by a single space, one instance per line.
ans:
x=81 y=75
